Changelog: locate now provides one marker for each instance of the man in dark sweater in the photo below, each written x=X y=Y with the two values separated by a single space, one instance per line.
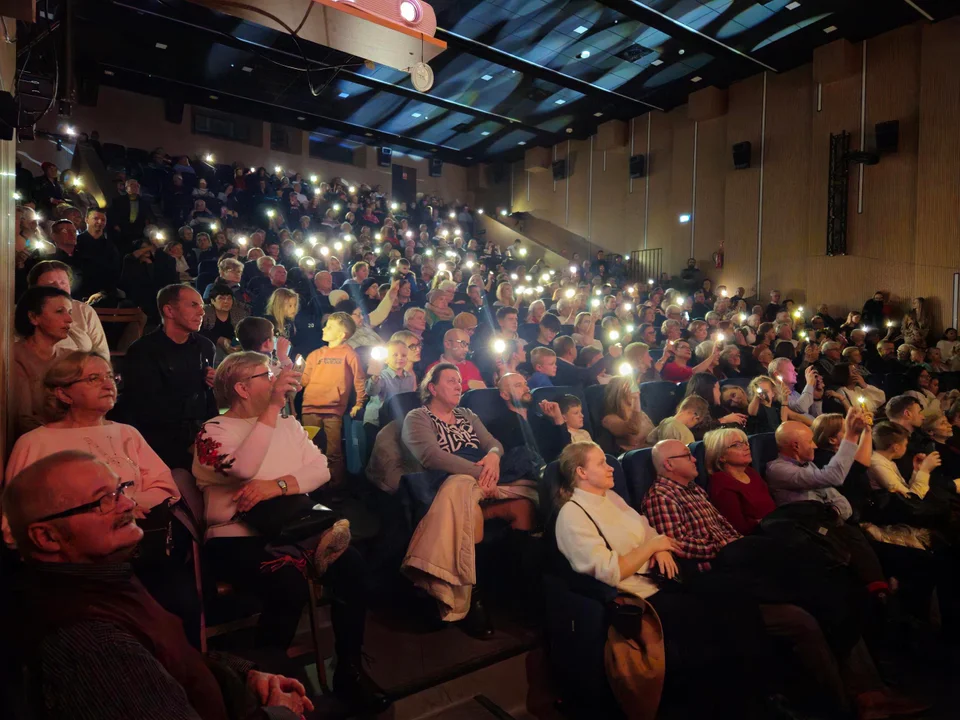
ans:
x=168 y=378
x=539 y=427
x=97 y=258
x=83 y=620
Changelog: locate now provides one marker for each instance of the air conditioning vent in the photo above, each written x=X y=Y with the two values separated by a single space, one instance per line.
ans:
x=634 y=53
x=538 y=94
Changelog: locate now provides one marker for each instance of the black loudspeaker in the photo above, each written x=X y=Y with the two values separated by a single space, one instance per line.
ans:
x=741 y=155
x=638 y=166
x=888 y=136
x=436 y=167
x=560 y=170
x=173 y=110
x=88 y=91
x=384 y=156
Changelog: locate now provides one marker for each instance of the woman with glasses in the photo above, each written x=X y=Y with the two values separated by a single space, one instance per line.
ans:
x=736 y=489
x=677 y=369
x=252 y=454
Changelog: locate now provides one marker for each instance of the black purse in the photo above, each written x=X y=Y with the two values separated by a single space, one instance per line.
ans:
x=289 y=518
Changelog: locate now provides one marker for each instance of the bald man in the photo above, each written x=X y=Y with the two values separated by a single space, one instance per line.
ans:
x=84 y=620
x=456 y=345
x=793 y=477
x=539 y=426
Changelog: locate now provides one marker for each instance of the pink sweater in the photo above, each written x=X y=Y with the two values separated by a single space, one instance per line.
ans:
x=233 y=451
x=120 y=446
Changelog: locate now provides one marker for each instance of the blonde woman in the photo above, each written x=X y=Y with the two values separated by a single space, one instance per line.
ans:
x=282 y=308
x=505 y=296
x=584 y=328
x=622 y=415
x=916 y=324
x=736 y=489
x=602 y=537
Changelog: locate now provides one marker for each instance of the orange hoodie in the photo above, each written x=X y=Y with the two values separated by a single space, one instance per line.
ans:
x=327 y=377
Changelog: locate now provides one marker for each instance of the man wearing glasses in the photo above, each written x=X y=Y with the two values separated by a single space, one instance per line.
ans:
x=456 y=345
x=86 y=627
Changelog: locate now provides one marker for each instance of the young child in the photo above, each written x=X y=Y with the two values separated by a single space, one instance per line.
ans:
x=383 y=382
x=572 y=410
x=327 y=377
x=689 y=413
x=544 y=362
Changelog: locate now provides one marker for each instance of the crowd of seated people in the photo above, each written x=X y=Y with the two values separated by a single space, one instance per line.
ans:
x=309 y=338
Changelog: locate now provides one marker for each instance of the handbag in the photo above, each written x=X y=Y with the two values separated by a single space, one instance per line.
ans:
x=290 y=518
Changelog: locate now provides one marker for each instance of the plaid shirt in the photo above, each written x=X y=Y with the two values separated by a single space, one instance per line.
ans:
x=684 y=513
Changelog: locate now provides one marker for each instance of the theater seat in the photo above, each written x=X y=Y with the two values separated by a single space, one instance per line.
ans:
x=896 y=384
x=639 y=475
x=486 y=403
x=738 y=382
x=397 y=406
x=700 y=455
x=763 y=448
x=878 y=380
x=593 y=409
x=528 y=331
x=658 y=399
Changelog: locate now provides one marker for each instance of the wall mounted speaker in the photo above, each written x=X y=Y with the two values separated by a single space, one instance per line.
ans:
x=888 y=136
x=436 y=167
x=741 y=155
x=559 y=170
x=384 y=156
x=173 y=110
x=638 y=166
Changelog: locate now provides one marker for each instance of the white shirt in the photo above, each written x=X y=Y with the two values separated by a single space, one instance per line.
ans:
x=86 y=331
x=623 y=527
x=884 y=475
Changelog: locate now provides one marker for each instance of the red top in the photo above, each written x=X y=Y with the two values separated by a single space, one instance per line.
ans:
x=676 y=373
x=468 y=372
x=744 y=505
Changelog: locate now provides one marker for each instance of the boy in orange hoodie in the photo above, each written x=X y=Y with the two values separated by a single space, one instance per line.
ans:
x=326 y=388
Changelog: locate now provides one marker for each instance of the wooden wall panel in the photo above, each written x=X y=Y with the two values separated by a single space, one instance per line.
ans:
x=579 y=159
x=616 y=221
x=713 y=159
x=786 y=191
x=681 y=192
x=938 y=209
x=660 y=176
x=890 y=198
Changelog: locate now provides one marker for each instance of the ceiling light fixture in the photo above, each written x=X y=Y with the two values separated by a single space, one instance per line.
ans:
x=598 y=114
x=681 y=51
x=214 y=97
x=343 y=95
x=108 y=72
x=300 y=117
x=160 y=46
x=580 y=29
x=247 y=68
x=696 y=78
x=830 y=29
x=656 y=62
x=559 y=102
x=793 y=6
x=488 y=78
x=522 y=142
x=584 y=54
x=484 y=133
x=416 y=114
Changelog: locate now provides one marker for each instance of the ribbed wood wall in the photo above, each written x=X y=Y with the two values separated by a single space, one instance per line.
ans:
x=906 y=241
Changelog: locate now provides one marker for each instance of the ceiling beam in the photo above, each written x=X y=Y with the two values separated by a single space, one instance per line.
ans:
x=687 y=36
x=513 y=62
x=226 y=38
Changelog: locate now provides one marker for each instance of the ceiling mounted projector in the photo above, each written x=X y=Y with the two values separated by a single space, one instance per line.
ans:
x=395 y=33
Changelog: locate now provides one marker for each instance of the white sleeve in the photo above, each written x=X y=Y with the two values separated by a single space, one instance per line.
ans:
x=581 y=544
x=887 y=477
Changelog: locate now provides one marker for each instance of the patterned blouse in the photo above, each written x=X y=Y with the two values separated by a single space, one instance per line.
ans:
x=455 y=437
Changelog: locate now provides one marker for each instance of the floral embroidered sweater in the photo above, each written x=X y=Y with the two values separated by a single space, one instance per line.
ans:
x=231 y=452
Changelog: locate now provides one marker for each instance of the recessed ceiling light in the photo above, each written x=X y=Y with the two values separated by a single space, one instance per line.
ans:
x=559 y=102
x=580 y=29
x=247 y=68
x=488 y=78
x=416 y=114
x=343 y=95
x=696 y=78
x=793 y=6
x=484 y=133
x=522 y=142
x=214 y=97
x=569 y=130
x=598 y=114
x=108 y=72
x=658 y=61
x=584 y=54
x=160 y=46
x=369 y=134
x=830 y=29
x=300 y=117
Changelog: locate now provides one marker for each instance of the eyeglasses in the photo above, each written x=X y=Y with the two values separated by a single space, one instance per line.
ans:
x=687 y=454
x=95 y=379
x=269 y=374
x=737 y=444
x=105 y=505
x=462 y=343
x=414 y=346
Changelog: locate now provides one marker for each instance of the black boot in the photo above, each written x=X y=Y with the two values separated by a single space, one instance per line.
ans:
x=355 y=688
x=477 y=624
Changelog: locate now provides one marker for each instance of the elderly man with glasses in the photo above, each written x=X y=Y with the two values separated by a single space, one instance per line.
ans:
x=85 y=626
x=456 y=346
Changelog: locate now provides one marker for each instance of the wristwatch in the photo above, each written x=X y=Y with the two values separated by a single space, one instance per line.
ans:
x=283 y=486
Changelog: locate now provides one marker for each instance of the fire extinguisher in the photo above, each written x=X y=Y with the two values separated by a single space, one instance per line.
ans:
x=718 y=257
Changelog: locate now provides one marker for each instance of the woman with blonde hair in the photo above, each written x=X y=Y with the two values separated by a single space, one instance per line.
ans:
x=584 y=328
x=915 y=325
x=602 y=537
x=505 y=296
x=736 y=489
x=622 y=415
x=282 y=308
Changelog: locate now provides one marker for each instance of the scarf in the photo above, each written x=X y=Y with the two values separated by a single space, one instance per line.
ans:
x=440 y=313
